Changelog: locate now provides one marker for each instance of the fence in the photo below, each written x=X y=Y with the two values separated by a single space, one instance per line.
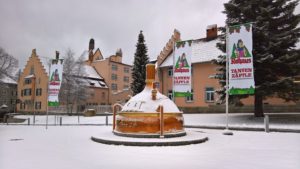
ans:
x=80 y=109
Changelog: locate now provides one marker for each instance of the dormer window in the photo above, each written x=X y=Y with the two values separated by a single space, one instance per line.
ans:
x=32 y=70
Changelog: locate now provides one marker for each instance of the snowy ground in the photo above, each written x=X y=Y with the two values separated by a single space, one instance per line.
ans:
x=70 y=147
x=276 y=120
x=281 y=121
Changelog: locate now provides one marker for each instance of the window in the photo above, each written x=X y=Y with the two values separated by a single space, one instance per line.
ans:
x=27 y=92
x=27 y=81
x=114 y=86
x=126 y=69
x=38 y=105
x=114 y=67
x=12 y=101
x=170 y=71
x=190 y=98
x=126 y=79
x=22 y=106
x=209 y=94
x=13 y=93
x=126 y=87
x=103 y=95
x=32 y=70
x=114 y=77
x=170 y=94
x=38 y=92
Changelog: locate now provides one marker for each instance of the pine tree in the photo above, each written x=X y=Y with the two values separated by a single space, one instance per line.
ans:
x=276 y=58
x=139 y=65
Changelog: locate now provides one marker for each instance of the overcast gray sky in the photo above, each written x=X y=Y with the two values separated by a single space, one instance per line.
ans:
x=61 y=24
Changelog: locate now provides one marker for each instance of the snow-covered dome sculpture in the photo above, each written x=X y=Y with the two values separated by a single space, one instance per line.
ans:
x=142 y=114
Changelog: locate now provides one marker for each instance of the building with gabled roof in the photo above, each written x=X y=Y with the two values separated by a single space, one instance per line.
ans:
x=116 y=74
x=202 y=93
x=33 y=85
x=203 y=85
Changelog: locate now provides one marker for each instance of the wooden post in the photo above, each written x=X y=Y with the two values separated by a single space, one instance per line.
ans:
x=161 y=121
x=115 y=113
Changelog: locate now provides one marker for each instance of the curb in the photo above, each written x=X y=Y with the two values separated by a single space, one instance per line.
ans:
x=148 y=144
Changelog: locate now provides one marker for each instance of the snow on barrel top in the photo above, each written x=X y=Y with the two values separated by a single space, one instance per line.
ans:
x=150 y=99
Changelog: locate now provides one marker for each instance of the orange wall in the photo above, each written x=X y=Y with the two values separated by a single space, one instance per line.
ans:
x=201 y=80
x=41 y=81
x=104 y=68
x=98 y=96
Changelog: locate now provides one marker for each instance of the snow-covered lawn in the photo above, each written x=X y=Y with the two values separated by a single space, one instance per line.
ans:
x=70 y=147
x=276 y=120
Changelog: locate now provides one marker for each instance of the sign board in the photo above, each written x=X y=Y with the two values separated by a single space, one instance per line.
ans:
x=182 y=69
x=55 y=80
x=241 y=73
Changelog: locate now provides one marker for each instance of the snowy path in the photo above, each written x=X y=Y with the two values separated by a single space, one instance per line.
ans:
x=70 y=147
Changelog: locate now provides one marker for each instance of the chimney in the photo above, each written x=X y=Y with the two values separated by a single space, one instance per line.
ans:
x=91 y=44
x=57 y=55
x=91 y=48
x=211 y=32
x=150 y=75
x=33 y=52
x=150 y=78
x=119 y=52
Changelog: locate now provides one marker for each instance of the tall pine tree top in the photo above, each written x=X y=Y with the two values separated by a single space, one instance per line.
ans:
x=275 y=34
x=139 y=65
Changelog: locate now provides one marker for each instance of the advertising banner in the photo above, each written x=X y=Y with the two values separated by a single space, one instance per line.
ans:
x=241 y=73
x=55 y=79
x=182 y=69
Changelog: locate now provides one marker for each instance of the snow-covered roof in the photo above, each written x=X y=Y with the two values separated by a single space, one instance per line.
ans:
x=85 y=54
x=95 y=83
x=297 y=45
x=211 y=26
x=202 y=51
x=90 y=72
x=143 y=102
x=29 y=76
x=7 y=80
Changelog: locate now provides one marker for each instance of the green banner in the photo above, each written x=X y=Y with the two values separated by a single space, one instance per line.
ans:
x=53 y=104
x=182 y=94
x=238 y=91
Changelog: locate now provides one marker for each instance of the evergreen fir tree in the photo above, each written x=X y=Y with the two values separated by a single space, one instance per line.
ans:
x=139 y=65
x=276 y=58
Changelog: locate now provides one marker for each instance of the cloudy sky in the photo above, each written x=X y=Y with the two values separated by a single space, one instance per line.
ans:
x=61 y=24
